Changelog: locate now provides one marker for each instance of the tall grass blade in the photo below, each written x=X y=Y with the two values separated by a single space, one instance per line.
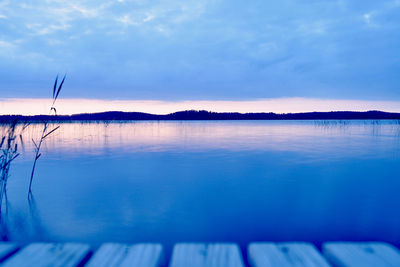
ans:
x=55 y=86
x=26 y=125
x=45 y=133
x=34 y=143
x=59 y=88
x=9 y=150
x=14 y=157
x=55 y=129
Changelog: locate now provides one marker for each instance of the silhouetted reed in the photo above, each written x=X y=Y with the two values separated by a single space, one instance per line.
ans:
x=9 y=152
x=45 y=132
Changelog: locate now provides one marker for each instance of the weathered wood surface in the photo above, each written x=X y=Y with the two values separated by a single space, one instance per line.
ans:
x=206 y=255
x=338 y=254
x=371 y=254
x=120 y=255
x=6 y=249
x=47 y=254
x=285 y=255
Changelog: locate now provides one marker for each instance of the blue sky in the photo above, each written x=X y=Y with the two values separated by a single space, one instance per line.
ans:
x=201 y=49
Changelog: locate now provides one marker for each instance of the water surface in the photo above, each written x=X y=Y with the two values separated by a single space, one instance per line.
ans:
x=237 y=181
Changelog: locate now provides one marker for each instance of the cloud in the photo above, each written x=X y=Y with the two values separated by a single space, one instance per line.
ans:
x=86 y=12
x=40 y=29
x=7 y=49
x=203 y=49
x=126 y=20
x=148 y=17
x=367 y=18
x=6 y=45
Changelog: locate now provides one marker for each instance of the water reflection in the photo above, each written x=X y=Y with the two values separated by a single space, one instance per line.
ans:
x=122 y=137
x=15 y=224
x=202 y=181
x=34 y=218
x=4 y=233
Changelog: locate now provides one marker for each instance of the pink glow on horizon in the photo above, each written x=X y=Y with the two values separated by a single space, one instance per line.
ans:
x=25 y=106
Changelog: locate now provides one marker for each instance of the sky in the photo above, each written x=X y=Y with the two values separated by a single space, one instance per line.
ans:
x=202 y=51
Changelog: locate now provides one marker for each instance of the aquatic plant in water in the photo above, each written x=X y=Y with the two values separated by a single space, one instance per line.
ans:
x=46 y=131
x=9 y=152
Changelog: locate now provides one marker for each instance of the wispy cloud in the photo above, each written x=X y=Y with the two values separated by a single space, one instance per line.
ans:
x=367 y=18
x=128 y=19
x=6 y=45
x=202 y=48
x=7 y=48
x=40 y=29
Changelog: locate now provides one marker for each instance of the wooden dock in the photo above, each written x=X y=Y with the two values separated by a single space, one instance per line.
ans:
x=262 y=254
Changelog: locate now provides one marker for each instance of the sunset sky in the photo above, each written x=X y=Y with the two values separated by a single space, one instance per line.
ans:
x=161 y=56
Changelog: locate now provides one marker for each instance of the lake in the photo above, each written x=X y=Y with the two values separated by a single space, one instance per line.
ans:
x=208 y=181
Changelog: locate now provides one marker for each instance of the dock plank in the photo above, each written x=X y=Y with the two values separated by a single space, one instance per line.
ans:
x=122 y=255
x=6 y=249
x=369 y=254
x=206 y=255
x=49 y=254
x=285 y=255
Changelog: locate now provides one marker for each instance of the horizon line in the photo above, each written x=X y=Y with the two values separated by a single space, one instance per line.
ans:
x=195 y=111
x=70 y=106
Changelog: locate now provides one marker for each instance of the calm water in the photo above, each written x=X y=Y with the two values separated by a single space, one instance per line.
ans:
x=209 y=181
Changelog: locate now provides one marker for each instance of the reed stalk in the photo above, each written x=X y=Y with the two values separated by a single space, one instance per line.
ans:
x=45 y=132
x=9 y=152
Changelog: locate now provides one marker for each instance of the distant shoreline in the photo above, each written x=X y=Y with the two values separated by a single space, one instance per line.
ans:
x=205 y=115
